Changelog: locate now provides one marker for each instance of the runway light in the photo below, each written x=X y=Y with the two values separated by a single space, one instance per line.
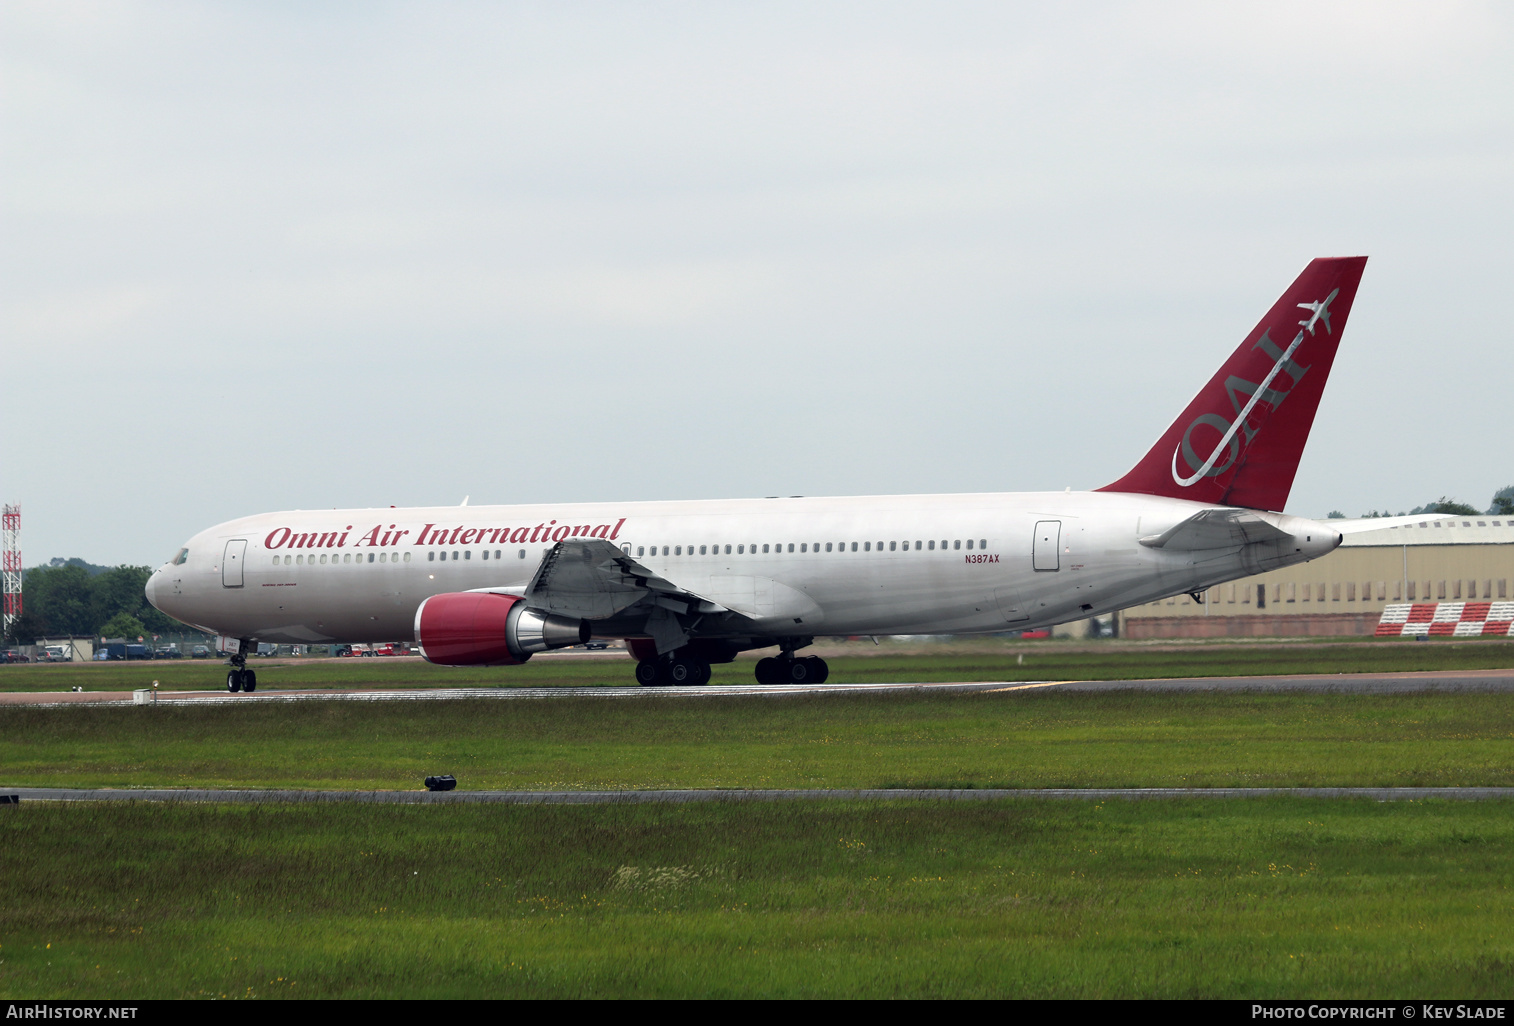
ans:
x=445 y=782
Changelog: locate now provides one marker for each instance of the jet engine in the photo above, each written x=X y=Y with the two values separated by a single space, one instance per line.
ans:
x=479 y=628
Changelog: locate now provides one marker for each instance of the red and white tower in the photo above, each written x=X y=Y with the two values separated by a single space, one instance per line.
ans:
x=10 y=564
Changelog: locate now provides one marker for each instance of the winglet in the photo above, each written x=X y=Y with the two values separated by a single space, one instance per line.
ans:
x=1240 y=440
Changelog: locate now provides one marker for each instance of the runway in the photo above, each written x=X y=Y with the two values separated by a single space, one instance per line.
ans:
x=1364 y=683
x=677 y=797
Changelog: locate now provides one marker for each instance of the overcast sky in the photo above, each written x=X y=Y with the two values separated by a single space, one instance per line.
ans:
x=302 y=255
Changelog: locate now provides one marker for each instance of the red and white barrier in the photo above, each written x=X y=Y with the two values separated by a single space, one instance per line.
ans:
x=1455 y=619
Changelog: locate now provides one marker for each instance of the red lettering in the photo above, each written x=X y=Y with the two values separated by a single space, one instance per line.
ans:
x=343 y=539
x=584 y=531
x=269 y=543
x=455 y=532
x=326 y=541
x=617 y=529
x=559 y=534
x=519 y=536
x=371 y=538
x=422 y=539
x=494 y=534
x=466 y=537
x=538 y=529
x=602 y=531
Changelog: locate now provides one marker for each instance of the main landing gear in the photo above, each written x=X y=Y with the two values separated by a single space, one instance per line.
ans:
x=789 y=669
x=239 y=678
x=679 y=672
x=785 y=669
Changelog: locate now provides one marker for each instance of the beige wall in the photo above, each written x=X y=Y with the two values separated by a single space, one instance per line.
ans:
x=1358 y=579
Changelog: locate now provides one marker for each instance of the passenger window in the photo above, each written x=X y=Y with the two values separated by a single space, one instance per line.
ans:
x=932 y=544
x=664 y=550
x=880 y=546
x=407 y=556
x=982 y=543
x=854 y=546
x=443 y=556
x=764 y=549
x=347 y=558
x=288 y=560
x=370 y=556
x=803 y=546
x=522 y=553
x=678 y=550
x=827 y=546
x=431 y=557
x=275 y=560
x=383 y=557
x=727 y=550
x=969 y=543
x=641 y=550
x=867 y=546
x=485 y=554
x=892 y=546
x=701 y=550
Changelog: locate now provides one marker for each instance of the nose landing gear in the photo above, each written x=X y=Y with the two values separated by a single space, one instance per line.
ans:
x=239 y=678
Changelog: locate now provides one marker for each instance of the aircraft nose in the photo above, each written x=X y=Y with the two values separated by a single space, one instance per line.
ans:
x=152 y=589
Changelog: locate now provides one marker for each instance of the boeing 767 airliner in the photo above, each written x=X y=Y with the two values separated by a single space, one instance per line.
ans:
x=687 y=584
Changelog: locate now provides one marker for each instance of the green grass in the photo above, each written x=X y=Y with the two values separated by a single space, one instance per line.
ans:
x=1279 y=898
x=911 y=739
x=984 y=660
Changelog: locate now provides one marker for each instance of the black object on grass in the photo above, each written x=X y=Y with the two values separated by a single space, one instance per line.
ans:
x=10 y=799
x=445 y=782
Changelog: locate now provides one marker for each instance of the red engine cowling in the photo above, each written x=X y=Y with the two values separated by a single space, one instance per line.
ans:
x=479 y=628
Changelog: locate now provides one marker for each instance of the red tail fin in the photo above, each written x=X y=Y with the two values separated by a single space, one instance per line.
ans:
x=1239 y=442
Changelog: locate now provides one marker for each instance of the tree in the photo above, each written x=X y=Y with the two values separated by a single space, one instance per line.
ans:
x=123 y=625
x=1335 y=514
x=60 y=599
x=25 y=629
x=1445 y=505
x=1503 y=502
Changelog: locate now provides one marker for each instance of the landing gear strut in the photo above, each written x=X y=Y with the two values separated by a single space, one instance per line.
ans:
x=239 y=678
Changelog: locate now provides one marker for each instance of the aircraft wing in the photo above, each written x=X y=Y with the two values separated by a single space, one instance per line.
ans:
x=592 y=579
x=1216 y=529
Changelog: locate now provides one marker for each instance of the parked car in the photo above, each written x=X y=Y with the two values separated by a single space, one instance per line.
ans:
x=386 y=650
x=14 y=657
x=53 y=654
x=200 y=652
x=123 y=650
x=168 y=652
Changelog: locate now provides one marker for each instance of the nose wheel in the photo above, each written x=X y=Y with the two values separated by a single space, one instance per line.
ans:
x=241 y=680
x=239 y=677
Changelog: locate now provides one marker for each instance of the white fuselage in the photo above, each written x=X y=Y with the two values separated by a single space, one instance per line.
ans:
x=905 y=564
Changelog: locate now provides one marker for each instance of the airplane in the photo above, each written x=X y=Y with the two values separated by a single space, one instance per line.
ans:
x=690 y=583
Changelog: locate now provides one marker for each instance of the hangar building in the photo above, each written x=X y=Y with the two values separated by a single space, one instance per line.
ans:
x=1467 y=559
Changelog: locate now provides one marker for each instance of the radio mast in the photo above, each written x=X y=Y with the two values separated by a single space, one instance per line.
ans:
x=10 y=564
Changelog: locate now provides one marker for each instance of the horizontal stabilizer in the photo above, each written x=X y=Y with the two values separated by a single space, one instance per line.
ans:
x=1216 y=529
x=1383 y=523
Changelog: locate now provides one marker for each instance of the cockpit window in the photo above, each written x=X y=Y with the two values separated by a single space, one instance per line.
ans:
x=180 y=558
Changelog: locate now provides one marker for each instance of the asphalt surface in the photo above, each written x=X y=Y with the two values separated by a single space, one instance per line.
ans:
x=1360 y=683
x=1381 y=794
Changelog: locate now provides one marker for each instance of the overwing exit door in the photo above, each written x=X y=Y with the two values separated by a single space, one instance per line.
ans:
x=1045 y=552
x=231 y=565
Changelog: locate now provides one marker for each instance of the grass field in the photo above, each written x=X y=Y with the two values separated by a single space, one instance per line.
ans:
x=901 y=739
x=1256 y=898
x=989 y=659
x=1275 y=898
